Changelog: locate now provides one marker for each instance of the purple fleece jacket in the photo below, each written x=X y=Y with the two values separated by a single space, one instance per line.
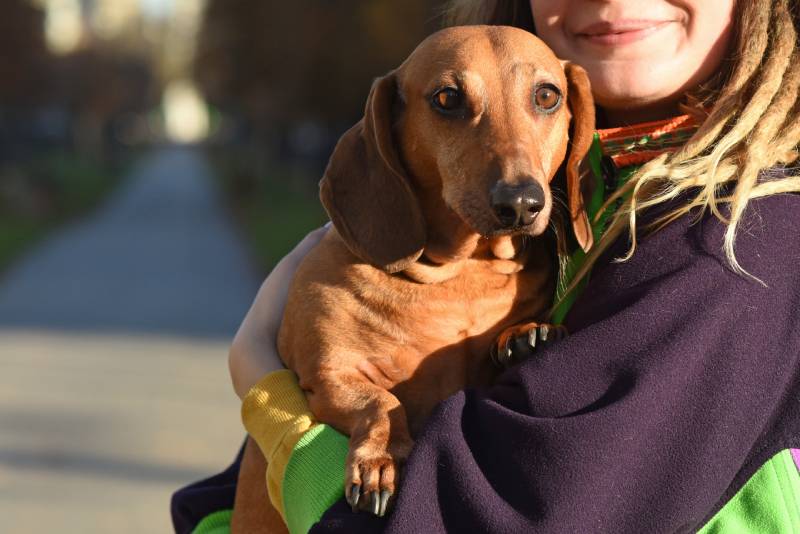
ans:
x=679 y=380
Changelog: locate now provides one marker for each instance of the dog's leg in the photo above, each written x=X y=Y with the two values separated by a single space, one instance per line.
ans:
x=379 y=437
x=253 y=512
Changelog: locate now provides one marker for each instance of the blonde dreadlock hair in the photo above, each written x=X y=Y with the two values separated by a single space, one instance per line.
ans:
x=754 y=125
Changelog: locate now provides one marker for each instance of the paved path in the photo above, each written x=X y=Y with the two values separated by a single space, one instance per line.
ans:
x=113 y=344
x=159 y=257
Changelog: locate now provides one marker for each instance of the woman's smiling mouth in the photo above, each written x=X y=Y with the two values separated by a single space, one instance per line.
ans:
x=620 y=32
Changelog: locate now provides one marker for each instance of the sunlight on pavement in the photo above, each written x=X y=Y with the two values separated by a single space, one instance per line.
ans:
x=101 y=428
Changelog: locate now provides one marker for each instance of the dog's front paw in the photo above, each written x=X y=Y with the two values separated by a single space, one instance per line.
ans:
x=373 y=474
x=521 y=341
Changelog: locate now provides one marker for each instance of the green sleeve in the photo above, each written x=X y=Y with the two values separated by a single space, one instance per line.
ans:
x=314 y=477
x=218 y=522
x=768 y=502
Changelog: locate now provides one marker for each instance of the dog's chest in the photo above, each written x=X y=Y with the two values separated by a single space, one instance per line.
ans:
x=450 y=340
x=449 y=330
x=487 y=294
x=469 y=305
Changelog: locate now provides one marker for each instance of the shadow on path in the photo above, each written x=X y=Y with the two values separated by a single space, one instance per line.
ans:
x=100 y=466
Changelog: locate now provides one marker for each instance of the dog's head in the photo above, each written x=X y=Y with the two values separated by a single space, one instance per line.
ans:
x=478 y=117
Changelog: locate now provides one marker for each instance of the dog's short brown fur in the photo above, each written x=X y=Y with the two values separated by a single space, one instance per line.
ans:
x=398 y=306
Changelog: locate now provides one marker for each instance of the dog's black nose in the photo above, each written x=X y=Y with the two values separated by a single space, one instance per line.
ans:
x=517 y=205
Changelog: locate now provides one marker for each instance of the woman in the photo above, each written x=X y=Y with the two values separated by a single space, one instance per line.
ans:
x=675 y=403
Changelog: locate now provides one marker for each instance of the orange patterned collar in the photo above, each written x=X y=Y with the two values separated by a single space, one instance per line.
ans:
x=639 y=143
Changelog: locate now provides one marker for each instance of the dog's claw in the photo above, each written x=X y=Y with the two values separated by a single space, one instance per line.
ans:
x=524 y=340
x=376 y=503
x=503 y=354
x=385 y=494
x=352 y=497
x=507 y=352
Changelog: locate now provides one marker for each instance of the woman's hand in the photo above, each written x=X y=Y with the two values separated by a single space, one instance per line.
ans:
x=254 y=352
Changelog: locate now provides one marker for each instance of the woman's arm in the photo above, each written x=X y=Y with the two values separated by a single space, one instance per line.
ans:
x=253 y=353
x=274 y=409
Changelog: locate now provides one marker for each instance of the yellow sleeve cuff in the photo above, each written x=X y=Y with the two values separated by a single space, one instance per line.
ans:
x=276 y=415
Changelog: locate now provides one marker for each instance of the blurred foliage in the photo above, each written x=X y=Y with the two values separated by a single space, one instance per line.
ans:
x=100 y=79
x=104 y=83
x=285 y=61
x=23 y=71
x=276 y=209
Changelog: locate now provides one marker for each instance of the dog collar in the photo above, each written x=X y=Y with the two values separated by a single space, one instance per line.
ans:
x=639 y=143
x=617 y=152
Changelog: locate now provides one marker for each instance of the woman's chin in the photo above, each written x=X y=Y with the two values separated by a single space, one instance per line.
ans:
x=639 y=102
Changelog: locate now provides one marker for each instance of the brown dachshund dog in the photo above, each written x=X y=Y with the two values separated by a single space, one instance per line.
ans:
x=435 y=197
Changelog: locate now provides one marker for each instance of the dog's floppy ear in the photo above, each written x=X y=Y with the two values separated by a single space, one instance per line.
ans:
x=366 y=192
x=581 y=105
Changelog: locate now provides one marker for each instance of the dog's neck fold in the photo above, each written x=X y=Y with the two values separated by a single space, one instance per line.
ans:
x=446 y=256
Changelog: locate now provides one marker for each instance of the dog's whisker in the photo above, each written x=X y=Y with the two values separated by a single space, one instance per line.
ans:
x=560 y=202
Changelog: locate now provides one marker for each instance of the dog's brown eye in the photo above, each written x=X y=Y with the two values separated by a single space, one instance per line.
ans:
x=447 y=99
x=546 y=97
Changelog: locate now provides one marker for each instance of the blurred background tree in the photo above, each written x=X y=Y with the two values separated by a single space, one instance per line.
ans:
x=23 y=72
x=276 y=66
x=287 y=79
x=63 y=81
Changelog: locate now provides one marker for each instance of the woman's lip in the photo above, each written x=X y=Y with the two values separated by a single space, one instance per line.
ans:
x=620 y=31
